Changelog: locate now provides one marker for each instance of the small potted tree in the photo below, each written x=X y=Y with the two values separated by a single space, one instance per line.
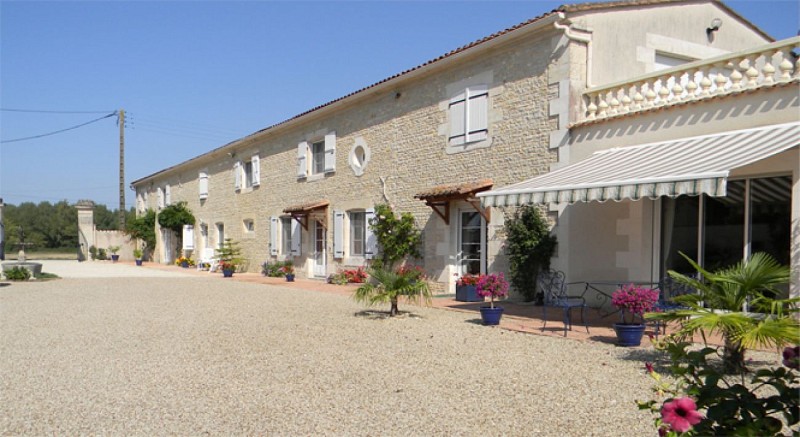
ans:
x=493 y=285
x=633 y=301
x=137 y=254
x=114 y=255
x=229 y=257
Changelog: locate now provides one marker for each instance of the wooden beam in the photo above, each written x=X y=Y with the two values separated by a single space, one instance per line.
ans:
x=484 y=212
x=444 y=213
x=302 y=219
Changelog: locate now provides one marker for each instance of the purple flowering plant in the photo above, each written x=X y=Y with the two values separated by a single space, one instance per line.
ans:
x=492 y=285
x=634 y=300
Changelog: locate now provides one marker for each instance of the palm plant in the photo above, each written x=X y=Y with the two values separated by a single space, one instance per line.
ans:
x=721 y=305
x=388 y=285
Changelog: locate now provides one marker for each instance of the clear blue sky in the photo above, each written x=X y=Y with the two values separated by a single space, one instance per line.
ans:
x=195 y=75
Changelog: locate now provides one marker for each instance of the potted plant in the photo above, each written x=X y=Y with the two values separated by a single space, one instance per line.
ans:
x=466 y=288
x=229 y=257
x=184 y=262
x=227 y=268
x=633 y=301
x=138 y=253
x=114 y=255
x=288 y=271
x=493 y=285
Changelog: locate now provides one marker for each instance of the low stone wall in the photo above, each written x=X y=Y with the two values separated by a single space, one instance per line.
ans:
x=106 y=239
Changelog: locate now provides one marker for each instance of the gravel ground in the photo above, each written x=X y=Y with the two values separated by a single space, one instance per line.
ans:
x=204 y=356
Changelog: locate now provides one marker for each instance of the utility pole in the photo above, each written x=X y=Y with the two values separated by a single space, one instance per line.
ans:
x=121 y=169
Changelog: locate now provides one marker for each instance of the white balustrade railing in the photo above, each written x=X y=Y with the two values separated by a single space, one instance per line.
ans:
x=730 y=73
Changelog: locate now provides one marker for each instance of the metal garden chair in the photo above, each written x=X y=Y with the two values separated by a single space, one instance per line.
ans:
x=668 y=289
x=552 y=284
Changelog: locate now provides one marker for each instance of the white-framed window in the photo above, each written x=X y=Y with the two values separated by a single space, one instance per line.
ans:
x=220 y=235
x=202 y=184
x=316 y=157
x=284 y=236
x=358 y=233
x=251 y=172
x=469 y=116
x=352 y=237
x=167 y=195
x=160 y=197
x=188 y=237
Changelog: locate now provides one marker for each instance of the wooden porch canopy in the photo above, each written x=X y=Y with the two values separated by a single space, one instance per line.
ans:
x=303 y=211
x=440 y=196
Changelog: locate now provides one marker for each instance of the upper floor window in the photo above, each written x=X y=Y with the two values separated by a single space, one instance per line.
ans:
x=202 y=184
x=247 y=174
x=469 y=116
x=316 y=157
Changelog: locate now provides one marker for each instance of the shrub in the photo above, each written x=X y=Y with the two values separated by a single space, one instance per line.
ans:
x=275 y=269
x=101 y=254
x=529 y=246
x=93 y=252
x=705 y=401
x=18 y=274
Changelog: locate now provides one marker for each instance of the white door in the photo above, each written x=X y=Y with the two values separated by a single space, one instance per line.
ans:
x=471 y=242
x=166 y=240
x=320 y=247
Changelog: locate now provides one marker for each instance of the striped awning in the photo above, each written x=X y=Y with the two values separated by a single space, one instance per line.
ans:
x=690 y=166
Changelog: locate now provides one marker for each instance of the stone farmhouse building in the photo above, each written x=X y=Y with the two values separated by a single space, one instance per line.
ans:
x=452 y=140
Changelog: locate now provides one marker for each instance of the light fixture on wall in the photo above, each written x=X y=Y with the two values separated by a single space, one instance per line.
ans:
x=716 y=23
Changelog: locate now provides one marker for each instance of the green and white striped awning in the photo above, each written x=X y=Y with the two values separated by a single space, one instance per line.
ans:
x=689 y=166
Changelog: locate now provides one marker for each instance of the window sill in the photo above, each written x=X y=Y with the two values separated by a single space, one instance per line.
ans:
x=461 y=148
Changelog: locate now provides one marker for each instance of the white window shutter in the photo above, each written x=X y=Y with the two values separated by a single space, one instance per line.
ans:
x=477 y=113
x=338 y=234
x=237 y=175
x=302 y=156
x=273 y=235
x=188 y=237
x=371 y=249
x=167 y=195
x=202 y=184
x=296 y=232
x=458 y=108
x=330 y=152
x=256 y=171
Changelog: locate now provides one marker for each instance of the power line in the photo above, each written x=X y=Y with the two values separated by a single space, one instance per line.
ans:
x=43 y=111
x=61 y=130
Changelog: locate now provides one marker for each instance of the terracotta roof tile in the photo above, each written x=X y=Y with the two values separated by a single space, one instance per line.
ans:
x=306 y=207
x=452 y=190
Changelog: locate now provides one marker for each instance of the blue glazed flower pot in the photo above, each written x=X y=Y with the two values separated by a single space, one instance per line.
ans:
x=290 y=277
x=138 y=262
x=491 y=316
x=226 y=273
x=629 y=334
x=185 y=264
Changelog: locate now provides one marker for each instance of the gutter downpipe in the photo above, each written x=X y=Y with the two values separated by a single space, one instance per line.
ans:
x=567 y=28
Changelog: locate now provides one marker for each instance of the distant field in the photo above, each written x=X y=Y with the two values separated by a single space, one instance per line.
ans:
x=34 y=255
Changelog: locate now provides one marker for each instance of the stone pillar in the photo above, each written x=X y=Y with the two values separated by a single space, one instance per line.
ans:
x=85 y=228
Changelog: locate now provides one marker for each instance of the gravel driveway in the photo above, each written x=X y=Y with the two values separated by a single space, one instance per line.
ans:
x=205 y=356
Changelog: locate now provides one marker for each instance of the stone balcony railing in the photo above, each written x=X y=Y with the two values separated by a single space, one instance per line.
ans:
x=766 y=65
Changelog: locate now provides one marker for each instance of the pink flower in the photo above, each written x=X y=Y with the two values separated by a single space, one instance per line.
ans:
x=649 y=367
x=791 y=357
x=681 y=414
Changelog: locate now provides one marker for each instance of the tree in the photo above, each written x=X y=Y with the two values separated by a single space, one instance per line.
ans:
x=174 y=217
x=529 y=246
x=143 y=228
x=398 y=238
x=718 y=306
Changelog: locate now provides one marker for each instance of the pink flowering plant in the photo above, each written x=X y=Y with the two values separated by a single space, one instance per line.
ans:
x=634 y=300
x=493 y=285
x=703 y=400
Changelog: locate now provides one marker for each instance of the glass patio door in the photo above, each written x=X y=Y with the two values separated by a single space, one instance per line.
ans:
x=471 y=243
x=320 y=247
